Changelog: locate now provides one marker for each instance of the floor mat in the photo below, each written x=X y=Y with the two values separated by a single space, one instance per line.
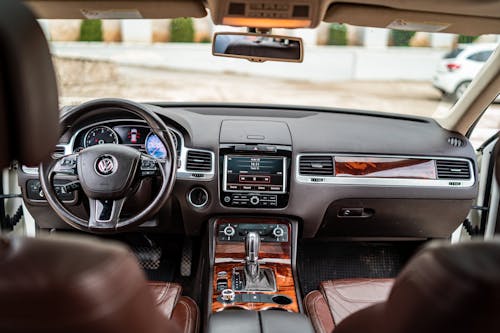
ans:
x=321 y=261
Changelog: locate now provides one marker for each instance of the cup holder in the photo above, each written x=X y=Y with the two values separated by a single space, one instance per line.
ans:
x=281 y=300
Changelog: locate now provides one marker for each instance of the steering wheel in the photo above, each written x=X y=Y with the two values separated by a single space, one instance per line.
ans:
x=108 y=173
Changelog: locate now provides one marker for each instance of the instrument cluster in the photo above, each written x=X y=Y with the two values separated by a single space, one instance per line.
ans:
x=135 y=135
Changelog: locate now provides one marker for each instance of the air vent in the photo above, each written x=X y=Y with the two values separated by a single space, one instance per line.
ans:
x=450 y=169
x=59 y=152
x=316 y=165
x=199 y=161
x=456 y=142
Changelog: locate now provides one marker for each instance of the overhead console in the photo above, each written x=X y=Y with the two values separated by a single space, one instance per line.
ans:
x=266 y=14
x=255 y=164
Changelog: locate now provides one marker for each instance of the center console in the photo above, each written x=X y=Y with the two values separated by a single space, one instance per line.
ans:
x=253 y=264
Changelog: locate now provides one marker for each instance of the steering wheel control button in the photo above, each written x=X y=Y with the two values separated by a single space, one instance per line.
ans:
x=106 y=165
x=229 y=231
x=148 y=167
x=198 y=197
x=228 y=295
x=66 y=165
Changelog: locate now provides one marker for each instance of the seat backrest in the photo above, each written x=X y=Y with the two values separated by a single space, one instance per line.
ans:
x=29 y=111
x=50 y=284
x=74 y=284
x=445 y=288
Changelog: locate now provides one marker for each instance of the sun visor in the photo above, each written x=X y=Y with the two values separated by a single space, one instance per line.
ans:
x=70 y=9
x=384 y=17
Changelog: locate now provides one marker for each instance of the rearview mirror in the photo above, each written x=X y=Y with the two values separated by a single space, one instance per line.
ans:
x=257 y=47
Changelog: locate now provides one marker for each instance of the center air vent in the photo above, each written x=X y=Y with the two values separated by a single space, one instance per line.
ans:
x=199 y=161
x=451 y=169
x=316 y=165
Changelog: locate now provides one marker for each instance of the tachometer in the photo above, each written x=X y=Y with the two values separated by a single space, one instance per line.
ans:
x=155 y=147
x=100 y=135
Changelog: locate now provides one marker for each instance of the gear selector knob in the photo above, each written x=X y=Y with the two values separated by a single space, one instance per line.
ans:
x=252 y=246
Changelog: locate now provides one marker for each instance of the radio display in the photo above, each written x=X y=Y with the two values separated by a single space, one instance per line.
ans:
x=254 y=174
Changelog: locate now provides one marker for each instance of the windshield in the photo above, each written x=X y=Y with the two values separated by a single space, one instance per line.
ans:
x=344 y=66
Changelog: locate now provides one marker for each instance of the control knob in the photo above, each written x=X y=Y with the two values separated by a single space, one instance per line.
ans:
x=278 y=232
x=229 y=231
x=254 y=200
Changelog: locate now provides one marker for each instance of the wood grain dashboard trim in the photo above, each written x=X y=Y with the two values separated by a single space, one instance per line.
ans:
x=230 y=255
x=385 y=167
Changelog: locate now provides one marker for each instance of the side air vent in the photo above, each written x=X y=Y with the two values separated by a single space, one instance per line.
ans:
x=448 y=169
x=456 y=142
x=59 y=152
x=198 y=161
x=316 y=165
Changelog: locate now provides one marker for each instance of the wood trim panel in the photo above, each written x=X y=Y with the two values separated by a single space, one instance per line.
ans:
x=284 y=282
x=230 y=255
x=385 y=167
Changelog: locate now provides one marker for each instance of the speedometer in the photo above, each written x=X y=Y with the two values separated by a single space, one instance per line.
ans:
x=100 y=135
x=155 y=147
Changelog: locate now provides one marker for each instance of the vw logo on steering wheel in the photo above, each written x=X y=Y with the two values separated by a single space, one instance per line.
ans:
x=106 y=165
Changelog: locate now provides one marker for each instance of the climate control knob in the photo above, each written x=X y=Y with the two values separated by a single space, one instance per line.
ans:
x=278 y=232
x=229 y=231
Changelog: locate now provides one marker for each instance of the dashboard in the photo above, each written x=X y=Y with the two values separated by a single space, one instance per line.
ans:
x=340 y=173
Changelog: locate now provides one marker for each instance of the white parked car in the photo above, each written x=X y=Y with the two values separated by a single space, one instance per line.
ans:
x=459 y=67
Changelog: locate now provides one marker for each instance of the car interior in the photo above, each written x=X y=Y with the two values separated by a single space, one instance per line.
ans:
x=245 y=217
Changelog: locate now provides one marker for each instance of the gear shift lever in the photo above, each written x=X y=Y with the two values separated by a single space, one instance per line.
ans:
x=252 y=247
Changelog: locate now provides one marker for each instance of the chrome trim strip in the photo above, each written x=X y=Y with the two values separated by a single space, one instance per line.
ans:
x=396 y=182
x=190 y=200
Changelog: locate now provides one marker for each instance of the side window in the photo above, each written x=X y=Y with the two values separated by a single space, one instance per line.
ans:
x=488 y=125
x=480 y=56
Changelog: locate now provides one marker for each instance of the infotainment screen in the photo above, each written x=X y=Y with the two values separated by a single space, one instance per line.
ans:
x=254 y=174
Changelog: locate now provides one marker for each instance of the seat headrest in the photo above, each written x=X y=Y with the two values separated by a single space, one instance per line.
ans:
x=74 y=284
x=444 y=288
x=29 y=110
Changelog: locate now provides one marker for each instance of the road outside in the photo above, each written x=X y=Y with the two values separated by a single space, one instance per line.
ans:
x=84 y=80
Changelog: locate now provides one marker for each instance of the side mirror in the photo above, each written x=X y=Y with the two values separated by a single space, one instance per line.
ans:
x=258 y=47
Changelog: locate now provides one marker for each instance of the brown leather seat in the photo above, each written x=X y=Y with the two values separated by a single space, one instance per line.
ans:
x=445 y=288
x=76 y=284
x=64 y=284
x=337 y=299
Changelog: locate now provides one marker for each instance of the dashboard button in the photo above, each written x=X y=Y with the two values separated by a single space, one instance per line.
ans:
x=227 y=199
x=254 y=200
x=229 y=231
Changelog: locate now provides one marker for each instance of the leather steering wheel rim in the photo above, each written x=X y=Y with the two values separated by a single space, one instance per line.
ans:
x=167 y=167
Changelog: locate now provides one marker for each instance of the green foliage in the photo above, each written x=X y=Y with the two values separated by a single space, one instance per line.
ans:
x=91 y=31
x=337 y=34
x=182 y=30
x=401 y=37
x=462 y=39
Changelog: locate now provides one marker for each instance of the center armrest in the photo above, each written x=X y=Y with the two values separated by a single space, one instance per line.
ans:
x=259 y=321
